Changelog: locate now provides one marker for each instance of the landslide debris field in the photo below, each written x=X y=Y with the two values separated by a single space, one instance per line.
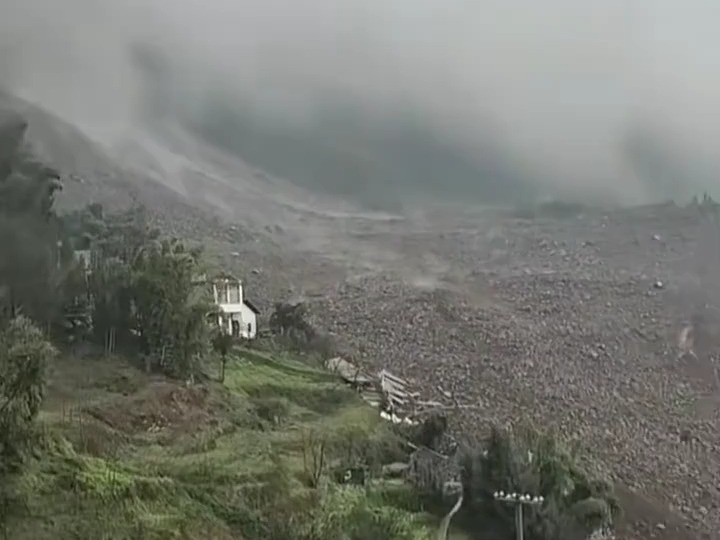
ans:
x=565 y=315
x=569 y=320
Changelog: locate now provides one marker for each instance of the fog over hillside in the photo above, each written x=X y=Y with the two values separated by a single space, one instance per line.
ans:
x=483 y=101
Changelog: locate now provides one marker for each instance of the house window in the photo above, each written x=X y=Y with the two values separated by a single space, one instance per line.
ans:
x=249 y=328
x=222 y=293
x=234 y=291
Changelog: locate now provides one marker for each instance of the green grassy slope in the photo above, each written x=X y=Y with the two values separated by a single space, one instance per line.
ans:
x=131 y=456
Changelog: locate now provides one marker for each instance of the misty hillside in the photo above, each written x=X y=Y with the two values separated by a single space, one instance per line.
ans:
x=193 y=190
x=77 y=158
x=378 y=160
x=389 y=155
x=215 y=147
x=380 y=156
x=668 y=163
x=168 y=170
x=387 y=105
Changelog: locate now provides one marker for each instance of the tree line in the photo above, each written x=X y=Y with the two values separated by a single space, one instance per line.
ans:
x=138 y=292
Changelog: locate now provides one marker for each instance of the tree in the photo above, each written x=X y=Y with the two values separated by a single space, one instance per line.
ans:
x=12 y=133
x=429 y=433
x=76 y=305
x=144 y=290
x=26 y=184
x=171 y=312
x=24 y=357
x=111 y=298
x=222 y=344
x=531 y=462
x=31 y=269
x=290 y=320
x=116 y=243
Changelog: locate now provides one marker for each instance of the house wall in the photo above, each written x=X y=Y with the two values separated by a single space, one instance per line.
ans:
x=250 y=320
x=230 y=308
x=244 y=316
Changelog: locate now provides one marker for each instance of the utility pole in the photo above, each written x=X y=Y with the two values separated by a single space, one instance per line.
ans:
x=518 y=500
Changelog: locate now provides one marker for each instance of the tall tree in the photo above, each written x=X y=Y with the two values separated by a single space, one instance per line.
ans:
x=532 y=462
x=115 y=242
x=144 y=289
x=290 y=321
x=171 y=308
x=31 y=268
x=111 y=298
x=222 y=345
x=24 y=356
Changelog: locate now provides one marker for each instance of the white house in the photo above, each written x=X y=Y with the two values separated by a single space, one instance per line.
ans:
x=238 y=315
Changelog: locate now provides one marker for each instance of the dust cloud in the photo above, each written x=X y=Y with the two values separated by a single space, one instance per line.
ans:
x=582 y=99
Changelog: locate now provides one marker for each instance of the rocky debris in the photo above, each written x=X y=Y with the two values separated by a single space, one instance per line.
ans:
x=557 y=321
x=570 y=323
x=580 y=336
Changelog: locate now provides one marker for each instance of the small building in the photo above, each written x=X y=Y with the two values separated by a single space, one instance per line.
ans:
x=237 y=314
x=84 y=259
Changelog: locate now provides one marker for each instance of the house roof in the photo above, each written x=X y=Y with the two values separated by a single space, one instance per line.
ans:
x=252 y=307
x=226 y=276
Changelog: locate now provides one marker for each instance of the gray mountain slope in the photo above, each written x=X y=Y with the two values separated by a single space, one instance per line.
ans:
x=167 y=170
x=248 y=220
x=89 y=174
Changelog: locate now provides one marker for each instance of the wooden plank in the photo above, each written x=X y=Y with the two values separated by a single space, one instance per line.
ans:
x=385 y=374
x=391 y=386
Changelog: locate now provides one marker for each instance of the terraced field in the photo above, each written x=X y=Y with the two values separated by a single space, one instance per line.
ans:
x=134 y=456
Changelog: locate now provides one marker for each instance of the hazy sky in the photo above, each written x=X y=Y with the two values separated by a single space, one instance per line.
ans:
x=560 y=81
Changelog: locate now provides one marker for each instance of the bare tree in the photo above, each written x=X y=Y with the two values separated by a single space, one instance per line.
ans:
x=314 y=447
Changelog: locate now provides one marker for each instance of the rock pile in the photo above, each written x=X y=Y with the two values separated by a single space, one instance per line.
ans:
x=572 y=344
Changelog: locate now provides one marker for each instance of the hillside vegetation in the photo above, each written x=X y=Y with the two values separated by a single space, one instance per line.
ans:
x=130 y=456
x=125 y=413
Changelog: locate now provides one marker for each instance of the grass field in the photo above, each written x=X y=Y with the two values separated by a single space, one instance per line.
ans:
x=126 y=455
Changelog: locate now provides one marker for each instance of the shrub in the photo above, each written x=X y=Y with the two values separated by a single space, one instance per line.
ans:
x=531 y=462
x=430 y=431
x=271 y=409
x=347 y=513
x=363 y=441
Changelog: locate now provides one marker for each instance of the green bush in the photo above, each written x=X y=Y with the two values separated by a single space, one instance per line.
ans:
x=319 y=400
x=398 y=495
x=527 y=461
x=346 y=513
x=271 y=409
x=429 y=431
